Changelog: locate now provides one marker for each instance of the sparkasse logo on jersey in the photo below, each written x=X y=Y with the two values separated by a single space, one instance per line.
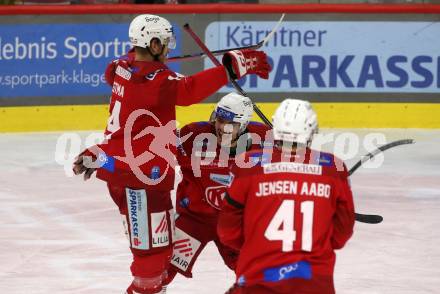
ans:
x=136 y=200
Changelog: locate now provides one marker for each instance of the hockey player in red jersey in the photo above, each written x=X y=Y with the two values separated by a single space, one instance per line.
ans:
x=289 y=212
x=205 y=158
x=137 y=158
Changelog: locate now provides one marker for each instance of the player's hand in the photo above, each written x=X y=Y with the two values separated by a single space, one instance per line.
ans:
x=247 y=61
x=83 y=164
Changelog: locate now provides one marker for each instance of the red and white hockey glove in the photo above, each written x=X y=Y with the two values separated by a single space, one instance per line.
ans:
x=247 y=61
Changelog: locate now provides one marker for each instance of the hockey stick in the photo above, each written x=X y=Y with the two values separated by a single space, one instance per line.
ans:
x=215 y=53
x=217 y=63
x=377 y=151
x=223 y=51
x=372 y=218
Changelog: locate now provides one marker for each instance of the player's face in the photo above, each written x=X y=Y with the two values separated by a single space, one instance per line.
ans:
x=157 y=48
x=164 y=56
x=227 y=132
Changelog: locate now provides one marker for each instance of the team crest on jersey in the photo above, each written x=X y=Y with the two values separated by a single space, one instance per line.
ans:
x=215 y=195
x=185 y=248
x=224 y=180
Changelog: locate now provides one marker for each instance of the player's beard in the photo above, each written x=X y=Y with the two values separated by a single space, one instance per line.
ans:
x=226 y=139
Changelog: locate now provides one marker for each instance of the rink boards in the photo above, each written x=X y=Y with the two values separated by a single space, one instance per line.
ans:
x=331 y=115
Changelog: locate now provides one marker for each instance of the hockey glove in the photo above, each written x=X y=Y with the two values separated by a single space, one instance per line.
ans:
x=84 y=164
x=242 y=62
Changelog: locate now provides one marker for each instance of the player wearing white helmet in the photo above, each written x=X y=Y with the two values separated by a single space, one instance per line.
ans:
x=287 y=215
x=294 y=121
x=144 y=97
x=152 y=35
x=200 y=193
x=232 y=115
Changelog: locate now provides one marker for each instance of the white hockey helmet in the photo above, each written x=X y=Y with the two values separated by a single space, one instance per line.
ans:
x=294 y=121
x=146 y=27
x=236 y=108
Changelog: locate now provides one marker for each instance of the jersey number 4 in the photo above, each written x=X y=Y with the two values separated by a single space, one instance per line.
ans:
x=113 y=121
x=281 y=227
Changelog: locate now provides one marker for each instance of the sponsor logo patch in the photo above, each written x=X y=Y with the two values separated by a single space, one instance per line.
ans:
x=185 y=248
x=123 y=73
x=137 y=216
x=292 y=167
x=106 y=162
x=300 y=269
x=224 y=180
x=225 y=114
x=155 y=173
x=325 y=159
x=160 y=229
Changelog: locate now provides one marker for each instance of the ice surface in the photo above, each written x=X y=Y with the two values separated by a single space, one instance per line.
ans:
x=62 y=235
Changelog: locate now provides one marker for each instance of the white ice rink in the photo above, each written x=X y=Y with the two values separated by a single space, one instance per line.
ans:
x=62 y=235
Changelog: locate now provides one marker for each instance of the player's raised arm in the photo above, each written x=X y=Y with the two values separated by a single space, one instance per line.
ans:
x=238 y=63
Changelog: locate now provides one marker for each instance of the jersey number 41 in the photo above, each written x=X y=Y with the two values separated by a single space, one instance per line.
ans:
x=284 y=219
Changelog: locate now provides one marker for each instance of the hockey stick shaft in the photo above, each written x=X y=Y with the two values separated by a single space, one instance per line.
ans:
x=217 y=63
x=215 y=53
x=223 y=51
x=377 y=151
x=371 y=218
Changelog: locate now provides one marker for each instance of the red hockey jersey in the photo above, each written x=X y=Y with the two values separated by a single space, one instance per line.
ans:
x=287 y=215
x=205 y=165
x=140 y=144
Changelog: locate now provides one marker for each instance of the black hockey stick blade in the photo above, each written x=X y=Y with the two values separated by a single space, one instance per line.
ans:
x=377 y=151
x=215 y=53
x=368 y=218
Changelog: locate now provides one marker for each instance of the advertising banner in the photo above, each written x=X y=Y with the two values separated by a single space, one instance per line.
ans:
x=339 y=56
x=47 y=60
